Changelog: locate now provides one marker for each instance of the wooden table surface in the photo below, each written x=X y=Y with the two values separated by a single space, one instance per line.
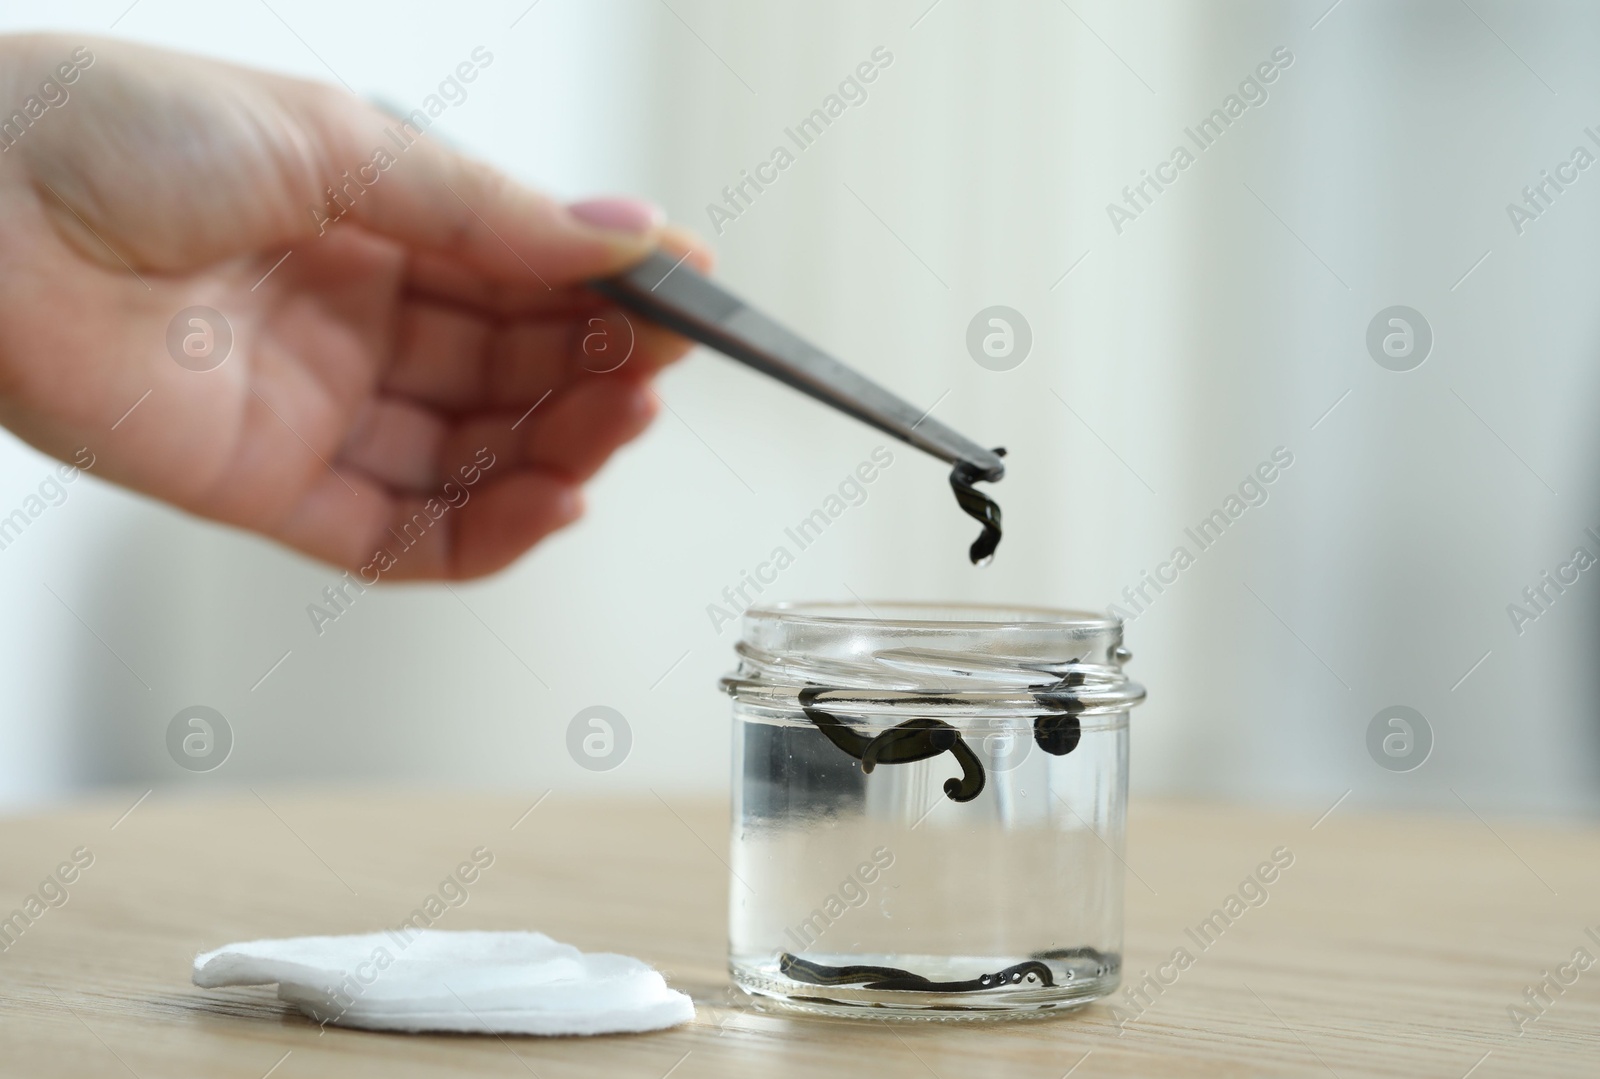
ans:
x=1393 y=946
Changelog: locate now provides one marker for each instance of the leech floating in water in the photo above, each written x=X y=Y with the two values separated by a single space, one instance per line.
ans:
x=1031 y=972
x=1058 y=733
x=914 y=740
x=980 y=507
x=921 y=738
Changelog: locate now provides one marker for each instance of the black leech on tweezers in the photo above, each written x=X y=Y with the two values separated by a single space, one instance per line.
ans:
x=979 y=506
x=870 y=977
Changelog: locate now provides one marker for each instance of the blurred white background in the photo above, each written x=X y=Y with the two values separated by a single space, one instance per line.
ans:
x=1224 y=322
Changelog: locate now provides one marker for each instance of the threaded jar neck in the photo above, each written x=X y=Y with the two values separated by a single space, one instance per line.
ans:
x=968 y=658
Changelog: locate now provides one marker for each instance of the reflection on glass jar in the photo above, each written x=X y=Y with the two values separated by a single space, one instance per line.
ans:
x=928 y=809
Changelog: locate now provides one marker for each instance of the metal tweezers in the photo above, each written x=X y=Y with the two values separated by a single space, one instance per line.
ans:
x=665 y=290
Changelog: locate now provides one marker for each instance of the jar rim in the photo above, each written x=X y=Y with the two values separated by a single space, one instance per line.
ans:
x=968 y=655
x=903 y=614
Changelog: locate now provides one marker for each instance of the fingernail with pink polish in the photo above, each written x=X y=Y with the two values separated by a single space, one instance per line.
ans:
x=632 y=216
x=568 y=506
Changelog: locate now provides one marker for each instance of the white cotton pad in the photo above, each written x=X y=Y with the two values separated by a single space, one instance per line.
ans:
x=378 y=966
x=467 y=981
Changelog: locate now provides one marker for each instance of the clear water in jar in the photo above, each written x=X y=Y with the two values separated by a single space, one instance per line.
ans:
x=1003 y=906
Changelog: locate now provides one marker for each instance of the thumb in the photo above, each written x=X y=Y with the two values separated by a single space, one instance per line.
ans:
x=175 y=163
x=408 y=187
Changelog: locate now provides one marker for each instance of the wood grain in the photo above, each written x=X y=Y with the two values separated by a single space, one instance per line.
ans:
x=1393 y=946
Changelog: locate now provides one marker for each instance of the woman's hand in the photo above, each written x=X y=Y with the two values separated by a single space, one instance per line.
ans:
x=398 y=314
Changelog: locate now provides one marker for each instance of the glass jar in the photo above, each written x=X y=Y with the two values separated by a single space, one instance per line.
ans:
x=928 y=809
